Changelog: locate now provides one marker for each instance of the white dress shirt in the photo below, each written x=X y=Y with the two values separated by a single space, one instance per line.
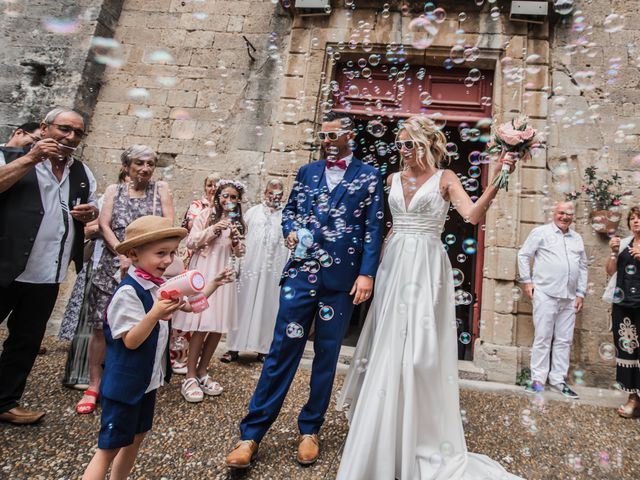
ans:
x=125 y=311
x=42 y=265
x=335 y=175
x=560 y=262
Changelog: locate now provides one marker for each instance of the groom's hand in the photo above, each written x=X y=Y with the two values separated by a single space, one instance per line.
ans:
x=292 y=240
x=362 y=289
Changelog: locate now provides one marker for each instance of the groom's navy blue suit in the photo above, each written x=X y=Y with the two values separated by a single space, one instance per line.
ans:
x=346 y=224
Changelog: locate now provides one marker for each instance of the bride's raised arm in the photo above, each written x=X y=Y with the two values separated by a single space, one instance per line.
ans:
x=472 y=212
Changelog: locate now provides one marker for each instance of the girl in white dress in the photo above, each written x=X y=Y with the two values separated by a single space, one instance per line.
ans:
x=259 y=281
x=403 y=382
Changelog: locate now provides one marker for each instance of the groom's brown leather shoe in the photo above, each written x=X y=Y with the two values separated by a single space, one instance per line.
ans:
x=21 y=416
x=308 y=449
x=242 y=454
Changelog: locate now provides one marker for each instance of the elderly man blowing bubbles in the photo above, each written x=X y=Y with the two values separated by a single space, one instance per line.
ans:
x=557 y=292
x=45 y=198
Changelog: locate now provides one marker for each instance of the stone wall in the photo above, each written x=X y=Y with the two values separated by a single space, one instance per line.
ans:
x=189 y=88
x=46 y=57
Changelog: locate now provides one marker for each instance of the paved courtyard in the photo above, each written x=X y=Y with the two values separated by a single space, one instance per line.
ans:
x=553 y=439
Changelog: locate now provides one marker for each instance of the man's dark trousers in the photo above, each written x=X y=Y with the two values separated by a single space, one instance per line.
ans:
x=29 y=306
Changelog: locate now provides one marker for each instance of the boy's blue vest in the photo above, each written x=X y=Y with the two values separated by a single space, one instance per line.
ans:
x=127 y=373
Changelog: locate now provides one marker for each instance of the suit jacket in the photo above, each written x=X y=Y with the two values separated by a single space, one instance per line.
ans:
x=346 y=223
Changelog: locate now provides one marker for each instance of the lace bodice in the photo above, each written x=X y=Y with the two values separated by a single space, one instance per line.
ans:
x=426 y=212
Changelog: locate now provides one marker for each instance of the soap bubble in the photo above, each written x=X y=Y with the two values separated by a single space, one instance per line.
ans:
x=107 y=51
x=630 y=269
x=613 y=23
x=376 y=128
x=607 y=351
x=160 y=57
x=465 y=338
x=61 y=26
x=138 y=93
x=618 y=295
x=295 y=330
x=469 y=246
x=439 y=15
x=326 y=313
x=563 y=7
x=422 y=32
x=450 y=239
x=288 y=293
x=461 y=258
x=458 y=277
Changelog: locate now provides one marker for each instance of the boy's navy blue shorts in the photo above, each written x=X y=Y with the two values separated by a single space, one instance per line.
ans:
x=120 y=422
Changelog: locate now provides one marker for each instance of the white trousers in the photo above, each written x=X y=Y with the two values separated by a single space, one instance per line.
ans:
x=553 y=319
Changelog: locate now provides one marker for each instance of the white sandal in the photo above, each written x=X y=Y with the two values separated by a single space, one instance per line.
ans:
x=209 y=387
x=191 y=390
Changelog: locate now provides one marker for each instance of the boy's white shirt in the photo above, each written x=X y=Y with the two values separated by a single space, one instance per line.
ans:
x=126 y=310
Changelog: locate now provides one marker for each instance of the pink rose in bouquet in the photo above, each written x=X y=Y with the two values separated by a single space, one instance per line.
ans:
x=515 y=137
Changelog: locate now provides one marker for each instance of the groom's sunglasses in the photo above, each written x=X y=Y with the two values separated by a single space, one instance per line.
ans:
x=333 y=136
x=408 y=144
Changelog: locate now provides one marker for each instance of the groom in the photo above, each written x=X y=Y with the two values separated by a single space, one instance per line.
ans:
x=340 y=201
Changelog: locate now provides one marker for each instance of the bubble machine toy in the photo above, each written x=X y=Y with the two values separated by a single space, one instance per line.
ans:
x=188 y=284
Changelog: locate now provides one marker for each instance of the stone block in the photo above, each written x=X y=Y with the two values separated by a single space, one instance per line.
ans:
x=179 y=98
x=293 y=86
x=531 y=210
x=535 y=104
x=514 y=47
x=235 y=24
x=537 y=78
x=257 y=24
x=524 y=330
x=147 y=5
x=538 y=47
x=499 y=361
x=500 y=263
x=198 y=39
x=299 y=41
x=297 y=64
x=533 y=179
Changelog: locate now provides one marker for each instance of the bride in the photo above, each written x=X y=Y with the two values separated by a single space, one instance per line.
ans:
x=402 y=386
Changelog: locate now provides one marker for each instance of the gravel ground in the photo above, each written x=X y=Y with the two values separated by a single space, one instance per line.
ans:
x=555 y=440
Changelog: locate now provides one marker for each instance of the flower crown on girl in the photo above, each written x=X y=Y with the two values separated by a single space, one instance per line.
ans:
x=223 y=182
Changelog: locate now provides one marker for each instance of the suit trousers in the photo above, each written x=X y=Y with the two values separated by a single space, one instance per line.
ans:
x=301 y=304
x=553 y=320
x=28 y=306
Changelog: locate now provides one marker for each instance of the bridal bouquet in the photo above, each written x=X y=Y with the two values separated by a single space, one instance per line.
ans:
x=515 y=138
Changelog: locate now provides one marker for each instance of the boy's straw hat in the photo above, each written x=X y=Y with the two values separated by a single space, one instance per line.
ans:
x=149 y=228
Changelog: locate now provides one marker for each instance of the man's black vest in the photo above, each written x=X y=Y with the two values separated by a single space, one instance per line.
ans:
x=21 y=213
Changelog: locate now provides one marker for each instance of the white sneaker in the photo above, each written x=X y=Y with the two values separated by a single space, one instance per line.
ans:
x=191 y=390
x=210 y=387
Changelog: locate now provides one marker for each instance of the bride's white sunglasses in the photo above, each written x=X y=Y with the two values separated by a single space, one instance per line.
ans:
x=408 y=144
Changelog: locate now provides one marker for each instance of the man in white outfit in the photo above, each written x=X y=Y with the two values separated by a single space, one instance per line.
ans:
x=557 y=291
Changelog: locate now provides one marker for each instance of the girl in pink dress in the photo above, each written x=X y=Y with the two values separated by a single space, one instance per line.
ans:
x=216 y=239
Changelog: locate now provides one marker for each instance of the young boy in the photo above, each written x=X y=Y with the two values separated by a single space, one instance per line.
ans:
x=137 y=336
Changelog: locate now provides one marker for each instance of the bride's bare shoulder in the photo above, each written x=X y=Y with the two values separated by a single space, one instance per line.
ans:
x=390 y=179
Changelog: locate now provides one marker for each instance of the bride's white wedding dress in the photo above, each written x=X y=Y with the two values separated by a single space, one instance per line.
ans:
x=402 y=386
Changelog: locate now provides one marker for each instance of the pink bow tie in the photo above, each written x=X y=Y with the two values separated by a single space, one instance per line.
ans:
x=341 y=164
x=147 y=276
